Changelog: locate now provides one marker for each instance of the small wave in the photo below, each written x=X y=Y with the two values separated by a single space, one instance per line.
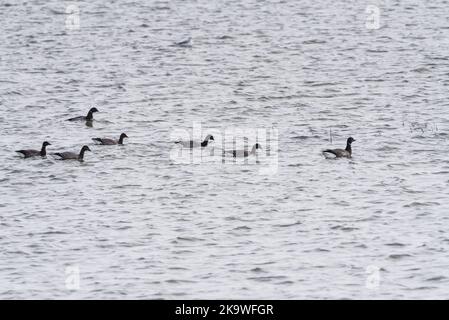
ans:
x=287 y=224
x=421 y=70
x=242 y=228
x=54 y=232
x=395 y=244
x=437 y=278
x=188 y=239
x=399 y=256
x=376 y=51
x=224 y=37
x=176 y=281
x=267 y=279
x=57 y=12
x=304 y=137
x=323 y=84
x=421 y=204
x=314 y=41
x=343 y=228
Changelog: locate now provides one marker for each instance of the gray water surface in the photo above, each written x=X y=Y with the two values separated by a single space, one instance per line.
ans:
x=136 y=224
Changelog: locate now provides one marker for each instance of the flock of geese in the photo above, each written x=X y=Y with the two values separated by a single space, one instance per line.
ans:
x=88 y=119
x=69 y=155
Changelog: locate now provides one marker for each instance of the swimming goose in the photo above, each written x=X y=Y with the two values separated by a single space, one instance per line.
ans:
x=34 y=153
x=342 y=153
x=244 y=153
x=89 y=116
x=110 y=142
x=72 y=155
x=193 y=144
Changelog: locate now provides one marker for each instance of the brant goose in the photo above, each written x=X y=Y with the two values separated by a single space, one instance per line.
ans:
x=72 y=155
x=34 y=153
x=110 y=142
x=192 y=144
x=89 y=116
x=342 y=153
x=244 y=153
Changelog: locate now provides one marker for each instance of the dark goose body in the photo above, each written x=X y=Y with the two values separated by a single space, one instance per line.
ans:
x=28 y=153
x=73 y=155
x=88 y=117
x=342 y=153
x=110 y=142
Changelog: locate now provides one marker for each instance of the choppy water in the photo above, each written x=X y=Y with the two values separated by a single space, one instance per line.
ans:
x=137 y=224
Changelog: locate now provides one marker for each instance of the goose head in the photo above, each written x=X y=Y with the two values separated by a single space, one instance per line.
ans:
x=350 y=140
